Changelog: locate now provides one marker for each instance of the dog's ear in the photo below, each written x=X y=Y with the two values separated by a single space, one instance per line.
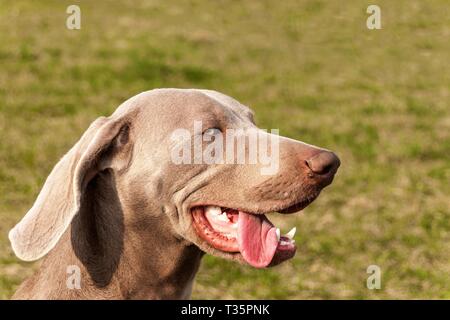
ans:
x=105 y=144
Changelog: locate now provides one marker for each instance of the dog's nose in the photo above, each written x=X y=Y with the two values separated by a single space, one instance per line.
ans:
x=324 y=163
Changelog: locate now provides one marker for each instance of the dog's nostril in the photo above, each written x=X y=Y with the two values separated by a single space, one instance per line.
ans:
x=323 y=162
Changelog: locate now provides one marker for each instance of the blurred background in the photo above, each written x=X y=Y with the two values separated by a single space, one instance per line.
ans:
x=379 y=98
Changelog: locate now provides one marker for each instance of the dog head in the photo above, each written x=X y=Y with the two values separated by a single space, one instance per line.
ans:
x=195 y=162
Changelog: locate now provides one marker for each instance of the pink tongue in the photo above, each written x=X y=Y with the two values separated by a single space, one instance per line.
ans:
x=257 y=239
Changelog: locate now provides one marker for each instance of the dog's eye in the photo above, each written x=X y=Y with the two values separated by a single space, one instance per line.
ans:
x=212 y=132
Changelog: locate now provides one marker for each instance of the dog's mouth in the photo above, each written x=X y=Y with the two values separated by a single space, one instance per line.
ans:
x=252 y=235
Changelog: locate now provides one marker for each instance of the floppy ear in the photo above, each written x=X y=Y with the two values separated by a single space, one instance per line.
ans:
x=60 y=198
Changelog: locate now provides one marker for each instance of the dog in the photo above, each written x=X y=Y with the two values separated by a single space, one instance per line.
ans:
x=121 y=216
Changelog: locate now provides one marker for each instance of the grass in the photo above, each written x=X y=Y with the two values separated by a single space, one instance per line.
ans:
x=379 y=98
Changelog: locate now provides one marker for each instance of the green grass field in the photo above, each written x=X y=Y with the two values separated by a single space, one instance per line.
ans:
x=379 y=98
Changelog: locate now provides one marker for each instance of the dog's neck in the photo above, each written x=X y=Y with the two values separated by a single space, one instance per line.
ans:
x=120 y=255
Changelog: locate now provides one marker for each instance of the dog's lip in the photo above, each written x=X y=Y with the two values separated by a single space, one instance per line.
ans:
x=298 y=206
x=286 y=208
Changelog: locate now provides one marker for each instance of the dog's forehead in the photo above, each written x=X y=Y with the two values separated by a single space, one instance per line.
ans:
x=193 y=104
x=228 y=102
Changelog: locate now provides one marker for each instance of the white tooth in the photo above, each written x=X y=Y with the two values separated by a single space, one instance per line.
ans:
x=213 y=210
x=223 y=217
x=278 y=234
x=291 y=233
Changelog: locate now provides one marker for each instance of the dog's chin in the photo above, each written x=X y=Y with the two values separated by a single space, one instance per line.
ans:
x=243 y=236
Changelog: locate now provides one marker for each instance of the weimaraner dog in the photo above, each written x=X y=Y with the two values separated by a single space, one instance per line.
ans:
x=135 y=224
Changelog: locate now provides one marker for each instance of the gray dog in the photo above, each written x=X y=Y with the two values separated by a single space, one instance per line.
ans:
x=135 y=224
